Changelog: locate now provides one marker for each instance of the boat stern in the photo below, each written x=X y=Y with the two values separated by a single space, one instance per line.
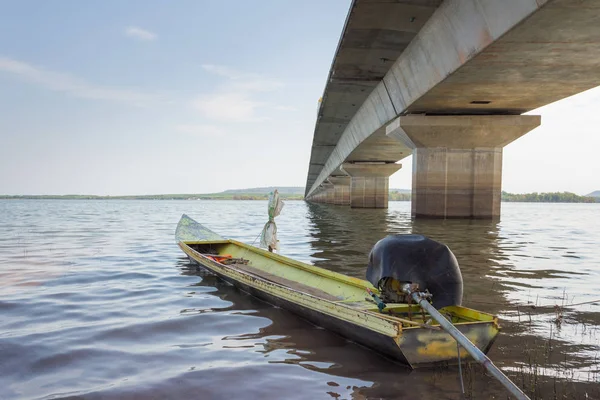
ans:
x=433 y=346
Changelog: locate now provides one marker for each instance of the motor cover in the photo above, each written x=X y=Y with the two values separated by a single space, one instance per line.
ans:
x=417 y=259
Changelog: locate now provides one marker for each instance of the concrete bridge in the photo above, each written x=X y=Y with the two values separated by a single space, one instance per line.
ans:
x=448 y=82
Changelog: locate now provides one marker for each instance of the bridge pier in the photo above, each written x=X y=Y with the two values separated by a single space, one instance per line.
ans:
x=457 y=161
x=324 y=194
x=341 y=190
x=369 y=183
x=329 y=193
x=321 y=196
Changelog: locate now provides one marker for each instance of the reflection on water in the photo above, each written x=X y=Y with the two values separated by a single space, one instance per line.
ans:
x=351 y=370
x=342 y=239
x=506 y=272
x=98 y=302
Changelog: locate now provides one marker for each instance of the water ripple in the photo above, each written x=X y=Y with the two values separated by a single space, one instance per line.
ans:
x=98 y=302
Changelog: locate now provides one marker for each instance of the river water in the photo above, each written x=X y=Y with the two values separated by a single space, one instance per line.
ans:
x=98 y=302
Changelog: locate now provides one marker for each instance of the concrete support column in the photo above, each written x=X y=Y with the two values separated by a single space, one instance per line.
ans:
x=341 y=189
x=315 y=197
x=323 y=194
x=369 y=183
x=457 y=161
x=328 y=193
x=457 y=182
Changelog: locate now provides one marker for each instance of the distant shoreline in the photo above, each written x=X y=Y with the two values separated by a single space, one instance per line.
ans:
x=153 y=197
x=556 y=197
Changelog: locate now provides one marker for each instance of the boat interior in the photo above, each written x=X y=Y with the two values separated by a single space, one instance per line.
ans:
x=323 y=283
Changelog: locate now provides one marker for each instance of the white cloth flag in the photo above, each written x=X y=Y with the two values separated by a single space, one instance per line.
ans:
x=268 y=238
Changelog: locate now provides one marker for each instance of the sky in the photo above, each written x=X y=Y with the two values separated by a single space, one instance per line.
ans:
x=152 y=97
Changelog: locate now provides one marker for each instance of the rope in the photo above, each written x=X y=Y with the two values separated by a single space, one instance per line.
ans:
x=252 y=245
x=260 y=233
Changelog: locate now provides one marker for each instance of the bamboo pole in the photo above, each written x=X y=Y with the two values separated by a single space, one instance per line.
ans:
x=421 y=299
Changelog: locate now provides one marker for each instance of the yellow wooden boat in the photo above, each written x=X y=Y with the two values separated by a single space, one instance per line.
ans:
x=403 y=332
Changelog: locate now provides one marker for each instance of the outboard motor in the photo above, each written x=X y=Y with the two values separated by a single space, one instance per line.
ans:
x=416 y=259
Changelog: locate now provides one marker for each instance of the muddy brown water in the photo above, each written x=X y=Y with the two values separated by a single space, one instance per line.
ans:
x=97 y=301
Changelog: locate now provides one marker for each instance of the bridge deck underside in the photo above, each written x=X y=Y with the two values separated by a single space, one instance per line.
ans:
x=376 y=33
x=550 y=50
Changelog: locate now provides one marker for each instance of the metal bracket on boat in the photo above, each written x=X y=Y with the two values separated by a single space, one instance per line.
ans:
x=380 y=304
x=422 y=299
x=411 y=288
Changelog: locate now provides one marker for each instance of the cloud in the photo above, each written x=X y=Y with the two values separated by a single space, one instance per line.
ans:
x=72 y=85
x=201 y=130
x=285 y=108
x=237 y=99
x=244 y=81
x=221 y=70
x=139 y=33
x=237 y=107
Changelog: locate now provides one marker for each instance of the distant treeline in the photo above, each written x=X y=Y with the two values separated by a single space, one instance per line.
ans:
x=284 y=196
x=557 y=197
x=297 y=190
x=554 y=197
x=210 y=196
x=399 y=196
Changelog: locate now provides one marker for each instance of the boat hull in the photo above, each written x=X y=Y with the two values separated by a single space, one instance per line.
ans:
x=413 y=346
x=383 y=344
